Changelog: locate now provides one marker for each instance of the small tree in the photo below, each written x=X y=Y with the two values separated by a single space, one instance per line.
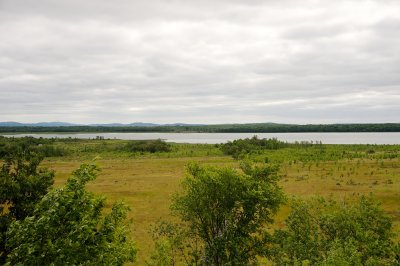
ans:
x=228 y=210
x=68 y=228
x=22 y=185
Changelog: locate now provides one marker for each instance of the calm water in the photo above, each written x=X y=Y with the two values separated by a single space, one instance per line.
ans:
x=212 y=138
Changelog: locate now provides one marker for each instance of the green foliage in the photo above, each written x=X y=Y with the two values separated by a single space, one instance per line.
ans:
x=22 y=185
x=345 y=254
x=162 y=254
x=174 y=245
x=330 y=233
x=67 y=227
x=51 y=150
x=228 y=210
x=40 y=145
x=317 y=152
x=239 y=147
x=151 y=146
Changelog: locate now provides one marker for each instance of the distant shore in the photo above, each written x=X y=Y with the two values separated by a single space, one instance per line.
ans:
x=222 y=128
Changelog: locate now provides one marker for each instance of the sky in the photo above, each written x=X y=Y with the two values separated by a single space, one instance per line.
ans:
x=205 y=61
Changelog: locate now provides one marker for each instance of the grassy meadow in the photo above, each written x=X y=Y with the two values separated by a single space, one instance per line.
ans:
x=146 y=181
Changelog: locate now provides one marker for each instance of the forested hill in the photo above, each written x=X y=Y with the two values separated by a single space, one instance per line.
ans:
x=223 y=128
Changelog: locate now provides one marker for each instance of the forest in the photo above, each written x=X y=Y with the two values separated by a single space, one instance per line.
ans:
x=245 y=202
x=222 y=128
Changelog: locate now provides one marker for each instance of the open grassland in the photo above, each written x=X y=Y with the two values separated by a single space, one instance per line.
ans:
x=146 y=181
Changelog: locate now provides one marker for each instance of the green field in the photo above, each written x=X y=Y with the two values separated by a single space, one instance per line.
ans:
x=146 y=181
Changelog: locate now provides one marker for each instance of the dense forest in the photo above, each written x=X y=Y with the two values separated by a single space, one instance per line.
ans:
x=222 y=128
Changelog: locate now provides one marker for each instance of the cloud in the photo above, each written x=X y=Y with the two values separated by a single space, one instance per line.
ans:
x=199 y=61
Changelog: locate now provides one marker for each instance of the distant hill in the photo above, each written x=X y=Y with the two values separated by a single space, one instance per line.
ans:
x=11 y=124
x=136 y=124
x=40 y=124
x=53 y=124
x=182 y=125
x=65 y=124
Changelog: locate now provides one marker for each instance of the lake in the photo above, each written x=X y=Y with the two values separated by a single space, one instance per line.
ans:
x=213 y=138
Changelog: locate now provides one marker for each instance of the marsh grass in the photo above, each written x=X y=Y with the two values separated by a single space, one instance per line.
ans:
x=147 y=181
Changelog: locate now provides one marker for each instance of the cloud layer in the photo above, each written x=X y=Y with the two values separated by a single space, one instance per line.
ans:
x=204 y=61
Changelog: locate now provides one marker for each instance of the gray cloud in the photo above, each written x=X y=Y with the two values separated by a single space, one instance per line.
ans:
x=199 y=61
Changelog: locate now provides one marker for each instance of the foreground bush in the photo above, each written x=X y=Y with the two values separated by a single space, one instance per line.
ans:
x=68 y=228
x=22 y=185
x=225 y=211
x=321 y=232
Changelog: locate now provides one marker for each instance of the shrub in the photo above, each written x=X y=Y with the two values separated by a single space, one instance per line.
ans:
x=151 y=146
x=22 y=185
x=40 y=145
x=323 y=232
x=239 y=147
x=68 y=227
x=228 y=209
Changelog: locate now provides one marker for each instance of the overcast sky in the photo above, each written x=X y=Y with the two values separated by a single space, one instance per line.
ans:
x=205 y=61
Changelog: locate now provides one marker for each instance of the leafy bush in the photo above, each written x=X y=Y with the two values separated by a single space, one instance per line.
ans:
x=330 y=233
x=39 y=145
x=51 y=150
x=151 y=146
x=239 y=147
x=227 y=210
x=68 y=228
x=22 y=185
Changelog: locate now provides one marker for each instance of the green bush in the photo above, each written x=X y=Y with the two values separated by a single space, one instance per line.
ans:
x=51 y=150
x=22 y=185
x=227 y=210
x=40 y=145
x=330 y=233
x=151 y=146
x=239 y=147
x=68 y=227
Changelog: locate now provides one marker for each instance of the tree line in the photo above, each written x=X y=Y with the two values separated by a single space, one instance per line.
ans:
x=221 y=128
